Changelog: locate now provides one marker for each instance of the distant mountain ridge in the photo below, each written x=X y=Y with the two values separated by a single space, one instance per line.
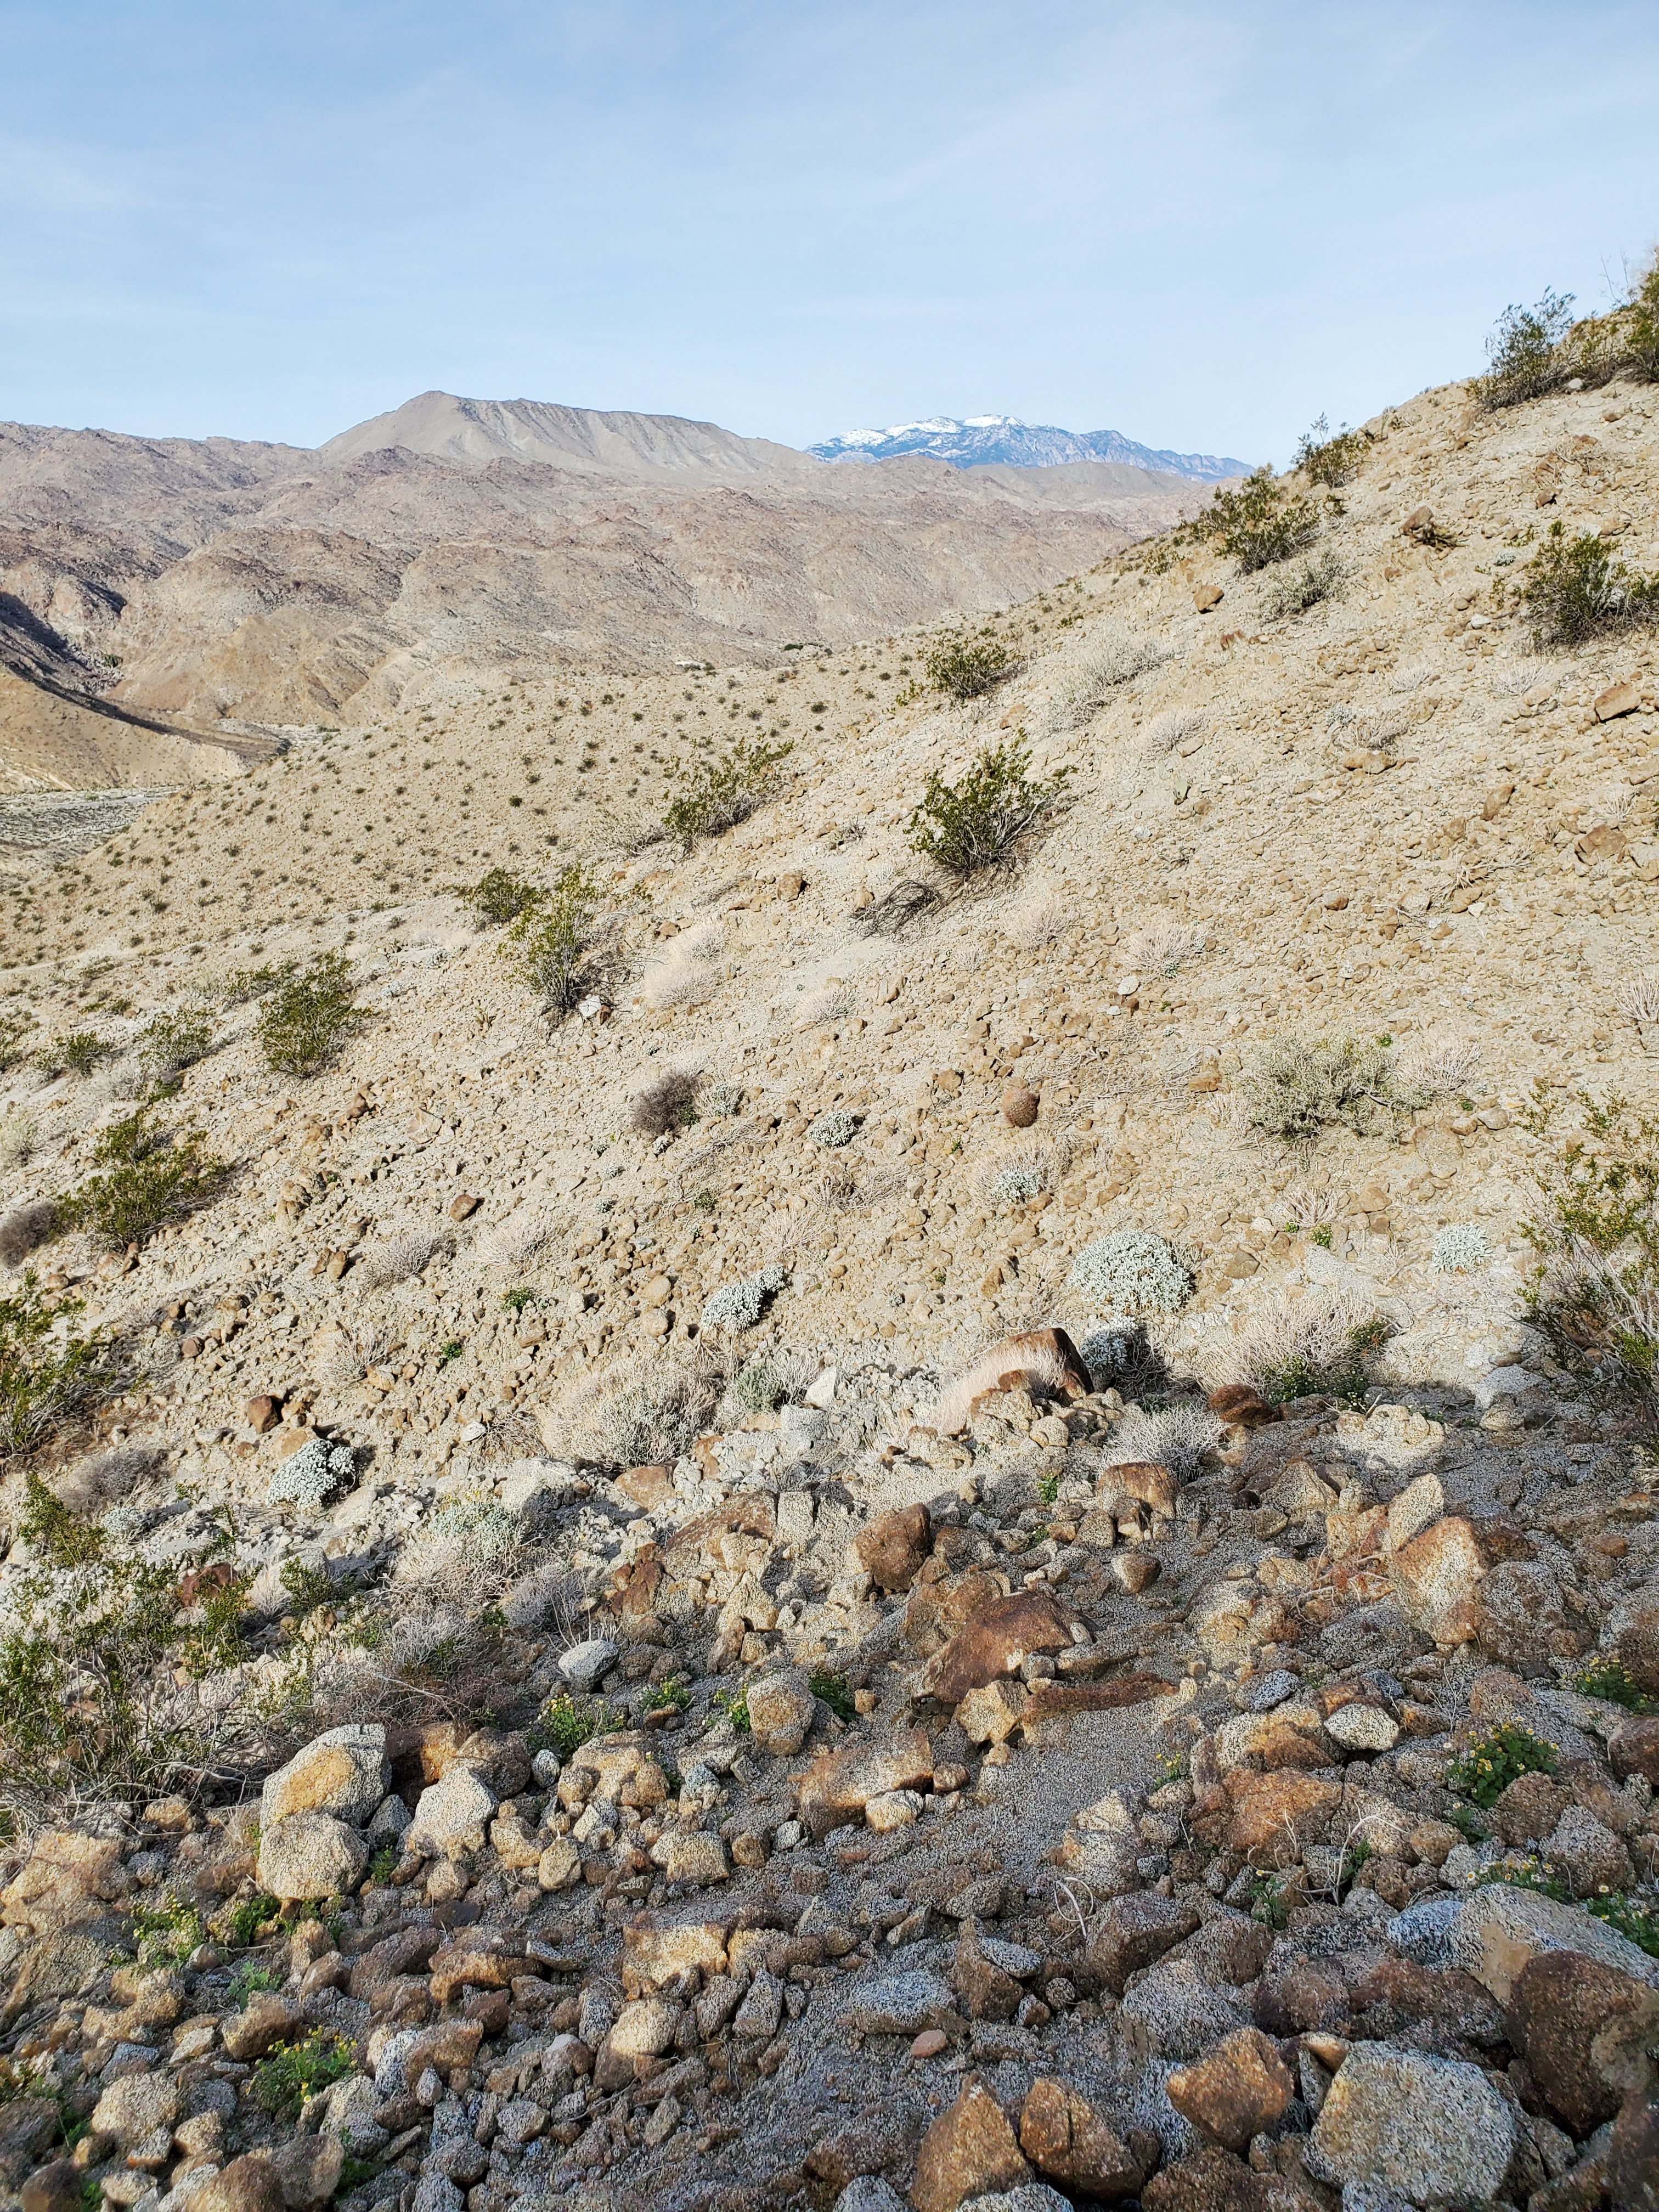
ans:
x=977 y=440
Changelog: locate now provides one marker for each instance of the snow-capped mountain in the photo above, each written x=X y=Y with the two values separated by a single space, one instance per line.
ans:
x=978 y=439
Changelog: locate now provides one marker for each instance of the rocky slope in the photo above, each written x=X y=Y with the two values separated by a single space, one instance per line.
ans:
x=1022 y=1773
x=257 y=587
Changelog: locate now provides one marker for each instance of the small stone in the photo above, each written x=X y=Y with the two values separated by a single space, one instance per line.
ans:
x=311 y=1855
x=1019 y=1106
x=462 y=1206
x=584 y=1664
x=970 y=2151
x=987 y=1992
x=997 y=1641
x=1136 y=1571
x=869 y=2192
x=1236 y=2091
x=1587 y=1857
x=1527 y=1810
x=782 y=1710
x=1065 y=2138
x=249 y=2184
x=838 y=1785
x=930 y=2043
x=991 y=1714
x=1259 y=1693
x=1207 y=596
x=1431 y=2130
x=135 y=2106
x=1361 y=1726
x=450 y=1816
x=1276 y=1814
x=560 y=1865
x=1136 y=1931
x=344 y=1772
x=649 y=1486
x=262 y=1414
x=1621 y=698
x=691 y=1856
x=1635 y=1750
x=893 y=1808
x=57 y=2187
x=265 y=2020
x=893 y=1549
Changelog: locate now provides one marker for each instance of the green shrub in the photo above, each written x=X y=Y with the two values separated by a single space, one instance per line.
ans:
x=964 y=667
x=1258 y=521
x=668 y=1104
x=1322 y=577
x=1632 y=1918
x=1574 y=588
x=1642 y=324
x=169 y=1930
x=171 y=1042
x=151 y=1176
x=834 y=1693
x=567 y=1722
x=79 y=1053
x=242 y=984
x=1525 y=353
x=243 y=1921
x=967 y=826
x=1329 y=457
x=1342 y=1373
x=294 y=2071
x=307 y=1018
x=47 y=1371
x=721 y=789
x=1608 y=1678
x=734 y=1704
x=550 y=947
x=1494 y=1761
x=499 y=895
x=1298 y=1088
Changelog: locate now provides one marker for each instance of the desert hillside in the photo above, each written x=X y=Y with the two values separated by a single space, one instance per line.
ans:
x=939 y=1546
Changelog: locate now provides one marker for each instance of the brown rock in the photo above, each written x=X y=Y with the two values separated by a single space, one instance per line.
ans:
x=1069 y=2143
x=1638 y=1652
x=462 y=1205
x=405 y=1953
x=1633 y=2155
x=1528 y=1809
x=65 y=1880
x=1019 y=1106
x=894 y=1547
x=1215 y=2180
x=421 y=1754
x=1274 y=1814
x=986 y=1991
x=247 y=2185
x=1145 y=1481
x=1606 y=842
x=1242 y=1404
x=1136 y=1570
x=262 y=1414
x=970 y=2151
x=1208 y=596
x=201 y=1582
x=1635 y=1750
x=1418 y=524
x=307 y=2168
x=58 y=2187
x=1436 y=1576
x=837 y=1786
x=1235 y=2091
x=448 y=2043
x=477 y=1959
x=992 y=1714
x=1137 y=1930
x=1398 y=1996
x=1305 y=1995
x=1582 y=2028
x=267 y=2019
x=1497 y=800
x=1056 y=1700
x=997 y=1641
x=1621 y=698
x=648 y=1486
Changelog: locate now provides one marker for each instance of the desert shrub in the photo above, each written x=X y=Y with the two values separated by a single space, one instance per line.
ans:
x=242 y=984
x=975 y=824
x=896 y=910
x=1642 y=323
x=739 y=1305
x=522 y=1237
x=401 y=1253
x=26 y=1228
x=1258 y=521
x=1042 y=918
x=668 y=1104
x=552 y=947
x=685 y=974
x=1119 y=1355
x=1132 y=1272
x=1171 y=728
x=964 y=667
x=1299 y=1088
x=499 y=895
x=1015 y=1182
x=719 y=789
x=1459 y=1249
x=294 y=2071
x=20 y=1141
x=1574 y=588
x=761 y=1384
x=1160 y=948
x=307 y=1018
x=47 y=1369
x=14 y=1029
x=150 y=1176
x=1525 y=353
x=1113 y=656
x=94 y=1484
x=1322 y=577
x=78 y=1054
x=565 y=1722
x=1177 y=1437
x=171 y=1042
x=312 y=1474
x=834 y=1129
x=1330 y=458
x=1301 y=1347
x=642 y=1411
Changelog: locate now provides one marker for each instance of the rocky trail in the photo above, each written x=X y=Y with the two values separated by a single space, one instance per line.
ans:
x=994 y=1593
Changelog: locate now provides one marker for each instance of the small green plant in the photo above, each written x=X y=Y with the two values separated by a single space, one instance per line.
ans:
x=718 y=790
x=567 y=1722
x=1522 y=1871
x=1468 y=1822
x=242 y=984
x=1328 y=457
x=47 y=1369
x=1494 y=1761
x=967 y=826
x=171 y=1042
x=79 y=1053
x=965 y=667
x=1525 y=352
x=306 y=1588
x=1316 y=1370
x=294 y=2071
x=1632 y=1918
x=1298 y=1088
x=499 y=895
x=453 y=1350
x=1259 y=522
x=704 y=1201
x=250 y=1979
x=515 y=1300
x=307 y=1018
x=1048 y=1488
x=1268 y=1904
x=672 y=1695
x=151 y=1175
x=243 y=1923
x=1322 y=1235
x=13 y=1029
x=833 y=1691
x=1608 y=1678
x=734 y=1704
x=170 y=1930
x=550 y=946
x=1574 y=589
x=381 y=1867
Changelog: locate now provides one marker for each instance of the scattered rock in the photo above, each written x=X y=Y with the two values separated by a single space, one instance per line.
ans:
x=344 y=1772
x=969 y=2150
x=1583 y=2029
x=1433 y=2130
x=893 y=1549
x=312 y=1855
x=1236 y=2091
x=1069 y=2141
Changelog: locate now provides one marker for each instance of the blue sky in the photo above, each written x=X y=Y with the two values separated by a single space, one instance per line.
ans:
x=1199 y=225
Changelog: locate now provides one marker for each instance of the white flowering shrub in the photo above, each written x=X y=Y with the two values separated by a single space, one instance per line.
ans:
x=740 y=1305
x=477 y=1527
x=1014 y=1184
x=1111 y=1351
x=834 y=1129
x=1461 y=1248
x=1131 y=1271
x=1178 y=1437
x=719 y=1098
x=311 y=1473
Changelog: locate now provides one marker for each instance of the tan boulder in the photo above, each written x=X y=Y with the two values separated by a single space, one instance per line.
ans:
x=893 y=1549
x=997 y=1641
x=1435 y=1575
x=1069 y=2143
x=970 y=2151
x=1275 y=1814
x=838 y=1785
x=1235 y=2091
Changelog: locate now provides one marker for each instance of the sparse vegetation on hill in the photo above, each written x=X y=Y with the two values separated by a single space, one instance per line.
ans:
x=719 y=789
x=967 y=667
x=151 y=1175
x=552 y=945
x=307 y=1018
x=1575 y=586
x=977 y=823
